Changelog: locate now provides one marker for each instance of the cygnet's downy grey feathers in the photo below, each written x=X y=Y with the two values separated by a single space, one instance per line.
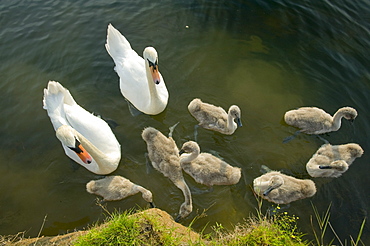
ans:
x=205 y=168
x=333 y=160
x=215 y=118
x=114 y=188
x=312 y=120
x=283 y=189
x=164 y=156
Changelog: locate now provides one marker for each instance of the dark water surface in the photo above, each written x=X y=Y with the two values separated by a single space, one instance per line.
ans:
x=265 y=56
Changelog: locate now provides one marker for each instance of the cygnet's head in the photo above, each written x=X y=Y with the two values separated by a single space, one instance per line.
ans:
x=190 y=147
x=355 y=150
x=151 y=59
x=91 y=187
x=185 y=210
x=338 y=165
x=149 y=134
x=275 y=182
x=349 y=113
x=236 y=113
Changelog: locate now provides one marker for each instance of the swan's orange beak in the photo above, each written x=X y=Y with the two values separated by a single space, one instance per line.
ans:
x=155 y=74
x=84 y=155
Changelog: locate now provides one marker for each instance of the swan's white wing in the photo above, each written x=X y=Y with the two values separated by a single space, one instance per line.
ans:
x=55 y=96
x=117 y=45
x=96 y=130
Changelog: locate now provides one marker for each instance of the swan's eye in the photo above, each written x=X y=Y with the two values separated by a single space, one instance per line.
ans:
x=151 y=64
x=77 y=147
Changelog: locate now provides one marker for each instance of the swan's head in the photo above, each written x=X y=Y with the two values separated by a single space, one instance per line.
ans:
x=349 y=113
x=190 y=147
x=69 y=137
x=236 y=113
x=151 y=60
x=275 y=182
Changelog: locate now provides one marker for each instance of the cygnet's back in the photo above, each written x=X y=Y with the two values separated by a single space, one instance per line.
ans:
x=312 y=120
x=207 y=169
x=215 y=118
x=163 y=153
x=113 y=188
x=283 y=189
x=333 y=160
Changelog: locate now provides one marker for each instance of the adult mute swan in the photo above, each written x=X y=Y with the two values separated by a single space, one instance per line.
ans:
x=164 y=156
x=333 y=160
x=205 y=168
x=86 y=139
x=283 y=189
x=140 y=81
x=215 y=118
x=114 y=188
x=312 y=120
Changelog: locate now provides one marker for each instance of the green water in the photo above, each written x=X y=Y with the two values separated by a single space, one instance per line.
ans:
x=266 y=57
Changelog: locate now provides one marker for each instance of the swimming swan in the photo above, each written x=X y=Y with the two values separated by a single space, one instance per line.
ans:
x=312 y=120
x=215 y=118
x=86 y=139
x=140 y=81
x=333 y=160
x=164 y=156
x=283 y=189
x=205 y=168
x=114 y=188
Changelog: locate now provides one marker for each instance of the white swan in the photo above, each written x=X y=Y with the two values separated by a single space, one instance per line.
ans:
x=140 y=81
x=215 y=118
x=312 y=120
x=164 y=156
x=283 y=189
x=333 y=160
x=205 y=168
x=86 y=139
x=114 y=188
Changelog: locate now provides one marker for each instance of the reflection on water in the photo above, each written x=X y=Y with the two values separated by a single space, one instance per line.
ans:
x=266 y=57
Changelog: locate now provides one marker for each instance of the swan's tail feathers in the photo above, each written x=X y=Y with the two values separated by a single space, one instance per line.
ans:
x=116 y=45
x=55 y=95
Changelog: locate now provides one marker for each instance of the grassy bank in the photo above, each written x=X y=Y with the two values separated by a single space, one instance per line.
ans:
x=156 y=227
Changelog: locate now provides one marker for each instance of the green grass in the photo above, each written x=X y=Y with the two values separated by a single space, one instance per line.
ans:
x=121 y=229
x=272 y=228
x=260 y=229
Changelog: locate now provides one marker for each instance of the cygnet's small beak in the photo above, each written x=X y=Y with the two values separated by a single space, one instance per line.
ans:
x=325 y=167
x=178 y=218
x=239 y=122
x=267 y=191
x=151 y=204
x=181 y=152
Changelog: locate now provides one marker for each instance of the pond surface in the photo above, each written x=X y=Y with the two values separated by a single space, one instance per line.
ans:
x=265 y=56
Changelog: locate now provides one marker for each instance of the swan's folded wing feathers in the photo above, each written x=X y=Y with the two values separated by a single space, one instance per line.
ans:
x=117 y=45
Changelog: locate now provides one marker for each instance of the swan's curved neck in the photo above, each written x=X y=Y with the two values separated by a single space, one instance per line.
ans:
x=105 y=164
x=154 y=100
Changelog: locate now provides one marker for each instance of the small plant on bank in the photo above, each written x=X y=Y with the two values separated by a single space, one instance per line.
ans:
x=324 y=223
